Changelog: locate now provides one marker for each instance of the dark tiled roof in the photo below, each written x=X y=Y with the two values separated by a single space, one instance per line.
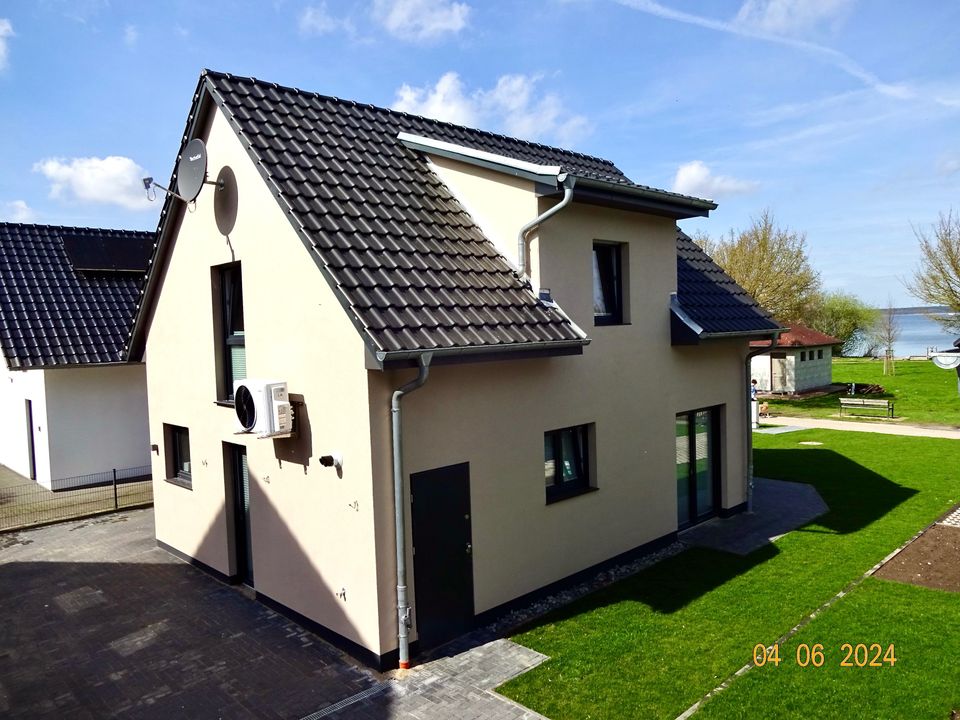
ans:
x=52 y=315
x=412 y=266
x=712 y=299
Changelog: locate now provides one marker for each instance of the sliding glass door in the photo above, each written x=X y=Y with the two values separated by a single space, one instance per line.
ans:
x=698 y=466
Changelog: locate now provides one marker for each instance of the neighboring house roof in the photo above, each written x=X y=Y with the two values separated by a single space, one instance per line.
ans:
x=53 y=312
x=800 y=336
x=709 y=303
x=407 y=262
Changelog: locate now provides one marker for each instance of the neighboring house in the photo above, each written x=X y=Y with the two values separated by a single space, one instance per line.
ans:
x=353 y=249
x=71 y=406
x=802 y=360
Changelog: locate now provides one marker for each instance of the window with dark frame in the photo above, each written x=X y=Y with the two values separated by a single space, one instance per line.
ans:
x=233 y=339
x=819 y=354
x=566 y=462
x=607 y=283
x=178 y=456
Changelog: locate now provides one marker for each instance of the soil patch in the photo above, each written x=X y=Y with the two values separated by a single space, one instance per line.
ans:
x=932 y=560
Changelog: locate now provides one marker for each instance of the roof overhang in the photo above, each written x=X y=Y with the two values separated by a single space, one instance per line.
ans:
x=684 y=330
x=545 y=174
x=386 y=360
x=549 y=178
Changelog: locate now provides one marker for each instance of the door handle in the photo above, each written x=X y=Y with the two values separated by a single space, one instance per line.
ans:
x=469 y=549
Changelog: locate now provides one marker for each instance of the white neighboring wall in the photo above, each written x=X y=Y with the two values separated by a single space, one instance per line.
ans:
x=85 y=420
x=98 y=420
x=16 y=387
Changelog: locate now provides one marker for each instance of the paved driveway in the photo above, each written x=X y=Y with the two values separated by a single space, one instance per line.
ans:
x=97 y=622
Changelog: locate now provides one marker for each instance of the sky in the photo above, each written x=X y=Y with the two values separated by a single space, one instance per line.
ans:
x=842 y=117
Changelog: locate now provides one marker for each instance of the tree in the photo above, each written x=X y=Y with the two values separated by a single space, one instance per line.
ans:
x=937 y=280
x=846 y=318
x=886 y=333
x=771 y=264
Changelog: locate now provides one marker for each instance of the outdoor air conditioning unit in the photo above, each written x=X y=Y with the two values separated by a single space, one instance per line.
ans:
x=263 y=407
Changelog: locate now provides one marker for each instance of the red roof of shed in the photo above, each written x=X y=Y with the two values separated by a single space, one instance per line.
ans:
x=799 y=336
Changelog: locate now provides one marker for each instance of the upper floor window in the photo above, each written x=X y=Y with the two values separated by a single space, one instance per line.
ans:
x=608 y=283
x=232 y=365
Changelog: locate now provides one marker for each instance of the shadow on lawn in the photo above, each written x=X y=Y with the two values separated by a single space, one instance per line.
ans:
x=856 y=496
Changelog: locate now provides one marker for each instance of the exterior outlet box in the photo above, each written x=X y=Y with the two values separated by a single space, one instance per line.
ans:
x=263 y=407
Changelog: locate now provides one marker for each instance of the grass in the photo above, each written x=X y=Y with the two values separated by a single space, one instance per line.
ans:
x=652 y=645
x=924 y=682
x=922 y=392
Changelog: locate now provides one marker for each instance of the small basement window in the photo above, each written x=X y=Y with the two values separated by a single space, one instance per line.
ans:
x=566 y=462
x=177 y=443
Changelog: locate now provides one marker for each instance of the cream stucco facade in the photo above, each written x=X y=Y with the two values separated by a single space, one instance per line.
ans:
x=322 y=541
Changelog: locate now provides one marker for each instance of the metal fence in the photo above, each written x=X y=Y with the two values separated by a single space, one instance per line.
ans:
x=24 y=504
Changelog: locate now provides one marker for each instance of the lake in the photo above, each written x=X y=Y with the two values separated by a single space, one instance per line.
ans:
x=917 y=333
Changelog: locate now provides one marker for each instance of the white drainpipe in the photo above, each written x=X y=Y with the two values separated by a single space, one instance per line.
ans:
x=749 y=418
x=568 y=182
x=400 y=509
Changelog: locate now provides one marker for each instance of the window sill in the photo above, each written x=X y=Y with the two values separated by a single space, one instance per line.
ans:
x=609 y=324
x=559 y=495
x=180 y=482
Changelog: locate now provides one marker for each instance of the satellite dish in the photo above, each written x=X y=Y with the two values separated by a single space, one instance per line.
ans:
x=192 y=170
x=946 y=360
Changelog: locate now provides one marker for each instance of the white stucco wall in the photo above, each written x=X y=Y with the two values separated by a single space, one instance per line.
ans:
x=97 y=417
x=800 y=375
x=813 y=372
x=16 y=386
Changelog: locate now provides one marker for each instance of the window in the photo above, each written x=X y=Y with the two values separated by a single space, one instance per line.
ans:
x=232 y=364
x=608 y=284
x=698 y=466
x=177 y=443
x=566 y=462
x=819 y=354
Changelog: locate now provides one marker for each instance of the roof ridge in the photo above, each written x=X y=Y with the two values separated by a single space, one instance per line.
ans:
x=371 y=106
x=47 y=226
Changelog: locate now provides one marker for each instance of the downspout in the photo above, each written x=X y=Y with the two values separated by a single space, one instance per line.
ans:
x=568 y=182
x=748 y=416
x=403 y=607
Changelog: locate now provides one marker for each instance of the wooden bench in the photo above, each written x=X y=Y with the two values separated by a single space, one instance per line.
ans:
x=858 y=406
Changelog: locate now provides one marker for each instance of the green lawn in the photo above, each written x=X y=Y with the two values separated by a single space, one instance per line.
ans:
x=923 y=626
x=922 y=392
x=652 y=645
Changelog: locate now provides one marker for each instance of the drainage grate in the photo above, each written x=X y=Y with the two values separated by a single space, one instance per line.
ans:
x=346 y=702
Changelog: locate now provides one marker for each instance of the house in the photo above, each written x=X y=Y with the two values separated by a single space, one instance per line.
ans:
x=506 y=366
x=801 y=360
x=72 y=407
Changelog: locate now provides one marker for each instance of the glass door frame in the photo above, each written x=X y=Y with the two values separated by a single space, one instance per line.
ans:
x=694 y=515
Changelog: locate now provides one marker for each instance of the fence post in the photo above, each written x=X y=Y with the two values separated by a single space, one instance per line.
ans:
x=116 y=504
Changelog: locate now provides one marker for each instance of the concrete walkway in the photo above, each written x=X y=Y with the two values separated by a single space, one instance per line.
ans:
x=884 y=427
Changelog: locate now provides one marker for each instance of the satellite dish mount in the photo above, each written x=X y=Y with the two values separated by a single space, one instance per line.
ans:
x=191 y=174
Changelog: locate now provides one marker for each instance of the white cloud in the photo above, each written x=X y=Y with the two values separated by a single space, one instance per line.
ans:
x=695 y=178
x=949 y=165
x=130 y=35
x=6 y=31
x=792 y=17
x=317 y=20
x=419 y=20
x=112 y=180
x=834 y=57
x=18 y=211
x=511 y=106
